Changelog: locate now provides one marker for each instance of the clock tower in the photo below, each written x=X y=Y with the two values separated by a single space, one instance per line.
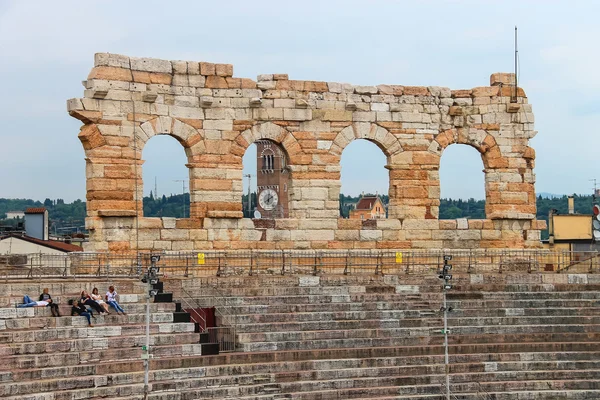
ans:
x=272 y=178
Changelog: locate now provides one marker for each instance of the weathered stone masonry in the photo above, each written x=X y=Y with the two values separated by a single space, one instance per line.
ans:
x=216 y=117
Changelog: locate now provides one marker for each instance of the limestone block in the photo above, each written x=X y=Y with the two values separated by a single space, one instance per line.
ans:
x=502 y=78
x=149 y=97
x=255 y=102
x=462 y=223
x=278 y=235
x=290 y=114
x=224 y=70
x=197 y=81
x=363 y=116
x=365 y=89
x=347 y=235
x=266 y=85
x=305 y=281
x=111 y=60
x=316 y=224
x=380 y=107
x=371 y=234
x=169 y=223
x=187 y=101
x=151 y=65
x=6 y=313
x=420 y=224
x=223 y=125
x=183 y=245
x=186 y=112
x=312 y=234
x=264 y=77
x=207 y=68
x=412 y=289
x=579 y=279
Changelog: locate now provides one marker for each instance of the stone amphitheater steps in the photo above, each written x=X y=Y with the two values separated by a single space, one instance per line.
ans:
x=593 y=304
x=274 y=317
x=259 y=309
x=102 y=328
x=80 y=338
x=349 y=342
x=341 y=325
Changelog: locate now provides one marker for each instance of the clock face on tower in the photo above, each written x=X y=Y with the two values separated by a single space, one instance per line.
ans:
x=268 y=199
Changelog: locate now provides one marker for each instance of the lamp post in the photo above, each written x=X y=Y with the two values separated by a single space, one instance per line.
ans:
x=446 y=276
x=150 y=278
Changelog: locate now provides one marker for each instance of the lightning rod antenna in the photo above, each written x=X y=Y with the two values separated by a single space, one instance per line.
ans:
x=514 y=100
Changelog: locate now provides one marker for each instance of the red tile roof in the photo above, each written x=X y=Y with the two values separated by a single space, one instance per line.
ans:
x=35 y=210
x=52 y=244
x=366 y=202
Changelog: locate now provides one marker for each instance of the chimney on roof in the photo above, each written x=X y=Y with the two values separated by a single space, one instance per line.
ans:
x=36 y=223
x=571 y=200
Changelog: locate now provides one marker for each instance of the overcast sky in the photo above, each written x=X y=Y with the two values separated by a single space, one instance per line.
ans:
x=47 y=49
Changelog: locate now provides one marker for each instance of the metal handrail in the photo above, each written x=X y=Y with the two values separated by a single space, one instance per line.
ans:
x=444 y=392
x=294 y=262
x=568 y=262
x=482 y=392
x=193 y=308
x=220 y=302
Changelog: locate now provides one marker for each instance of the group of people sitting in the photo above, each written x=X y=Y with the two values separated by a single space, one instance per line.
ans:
x=94 y=301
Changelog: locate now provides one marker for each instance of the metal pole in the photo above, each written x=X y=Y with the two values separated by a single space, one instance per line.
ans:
x=446 y=361
x=146 y=349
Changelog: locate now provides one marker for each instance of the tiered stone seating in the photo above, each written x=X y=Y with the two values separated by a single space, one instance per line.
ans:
x=346 y=337
x=44 y=357
x=514 y=336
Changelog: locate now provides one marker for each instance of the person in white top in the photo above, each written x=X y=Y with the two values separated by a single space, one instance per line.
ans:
x=98 y=299
x=111 y=299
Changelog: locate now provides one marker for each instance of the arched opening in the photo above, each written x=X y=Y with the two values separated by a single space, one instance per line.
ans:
x=266 y=183
x=165 y=178
x=364 y=181
x=462 y=183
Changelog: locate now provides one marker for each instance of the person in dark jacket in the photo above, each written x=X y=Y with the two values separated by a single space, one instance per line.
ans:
x=45 y=296
x=79 y=309
x=86 y=300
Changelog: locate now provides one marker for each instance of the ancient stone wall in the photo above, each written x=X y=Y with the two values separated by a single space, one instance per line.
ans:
x=216 y=117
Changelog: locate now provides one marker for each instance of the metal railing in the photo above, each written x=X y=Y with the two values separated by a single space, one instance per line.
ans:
x=296 y=262
x=446 y=392
x=190 y=305
x=482 y=393
x=225 y=336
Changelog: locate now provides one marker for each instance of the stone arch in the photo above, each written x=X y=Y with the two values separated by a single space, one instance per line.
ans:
x=285 y=142
x=270 y=131
x=382 y=138
x=491 y=156
x=190 y=137
x=479 y=139
x=374 y=133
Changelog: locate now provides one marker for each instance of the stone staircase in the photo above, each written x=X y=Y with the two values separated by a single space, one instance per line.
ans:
x=530 y=336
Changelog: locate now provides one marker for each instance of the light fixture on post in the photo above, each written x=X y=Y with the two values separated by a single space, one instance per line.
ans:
x=447 y=277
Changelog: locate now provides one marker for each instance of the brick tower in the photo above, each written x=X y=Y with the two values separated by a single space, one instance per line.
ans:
x=272 y=178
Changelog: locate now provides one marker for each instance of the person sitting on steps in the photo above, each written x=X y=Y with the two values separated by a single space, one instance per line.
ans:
x=86 y=300
x=45 y=296
x=79 y=309
x=111 y=299
x=98 y=299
